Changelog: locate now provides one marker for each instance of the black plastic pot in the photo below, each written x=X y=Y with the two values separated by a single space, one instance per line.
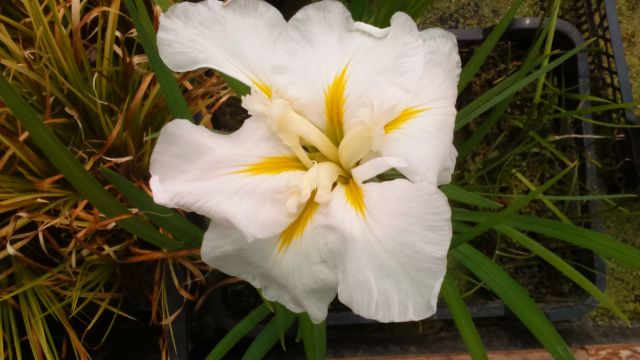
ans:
x=575 y=74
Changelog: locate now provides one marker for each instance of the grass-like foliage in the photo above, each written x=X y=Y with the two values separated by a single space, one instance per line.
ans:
x=83 y=94
x=76 y=96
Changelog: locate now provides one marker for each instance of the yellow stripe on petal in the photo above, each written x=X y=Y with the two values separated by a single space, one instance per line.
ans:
x=354 y=196
x=334 y=101
x=273 y=165
x=266 y=90
x=295 y=230
x=406 y=115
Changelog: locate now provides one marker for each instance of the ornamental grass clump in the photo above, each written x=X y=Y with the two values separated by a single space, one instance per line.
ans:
x=62 y=260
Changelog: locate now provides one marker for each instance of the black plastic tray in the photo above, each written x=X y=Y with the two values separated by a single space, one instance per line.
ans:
x=598 y=19
x=575 y=75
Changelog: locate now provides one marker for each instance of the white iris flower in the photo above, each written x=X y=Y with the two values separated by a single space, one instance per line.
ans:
x=295 y=205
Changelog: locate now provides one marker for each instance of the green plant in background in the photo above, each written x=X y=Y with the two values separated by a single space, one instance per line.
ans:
x=78 y=92
x=80 y=85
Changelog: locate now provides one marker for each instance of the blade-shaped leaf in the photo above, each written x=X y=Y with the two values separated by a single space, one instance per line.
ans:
x=166 y=78
x=268 y=337
x=493 y=97
x=181 y=228
x=515 y=206
x=461 y=195
x=562 y=266
x=462 y=318
x=75 y=173
x=602 y=244
x=480 y=55
x=515 y=297
x=314 y=337
x=241 y=329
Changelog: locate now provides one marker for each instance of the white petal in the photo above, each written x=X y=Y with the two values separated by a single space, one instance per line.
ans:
x=236 y=37
x=322 y=40
x=195 y=169
x=299 y=277
x=376 y=166
x=392 y=261
x=424 y=141
x=439 y=83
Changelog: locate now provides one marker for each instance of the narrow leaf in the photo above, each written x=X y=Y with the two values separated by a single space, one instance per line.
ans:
x=181 y=228
x=515 y=297
x=75 y=173
x=147 y=37
x=562 y=266
x=480 y=55
x=241 y=329
x=515 y=206
x=463 y=319
x=314 y=337
x=267 y=338
x=602 y=244
x=490 y=99
x=461 y=195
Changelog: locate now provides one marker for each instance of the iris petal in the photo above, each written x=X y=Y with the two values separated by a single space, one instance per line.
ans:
x=195 y=169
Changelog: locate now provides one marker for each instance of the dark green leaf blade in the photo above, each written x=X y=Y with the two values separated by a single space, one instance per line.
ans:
x=75 y=173
x=268 y=337
x=602 y=244
x=462 y=318
x=314 y=337
x=166 y=78
x=461 y=195
x=515 y=206
x=238 y=332
x=562 y=266
x=515 y=297
x=181 y=228
x=480 y=55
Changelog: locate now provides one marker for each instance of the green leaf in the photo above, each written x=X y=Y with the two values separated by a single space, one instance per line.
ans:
x=515 y=206
x=461 y=195
x=314 y=337
x=515 y=297
x=181 y=228
x=547 y=48
x=236 y=85
x=282 y=317
x=498 y=111
x=357 y=8
x=480 y=55
x=241 y=329
x=600 y=243
x=508 y=87
x=268 y=337
x=164 y=4
x=147 y=37
x=462 y=318
x=75 y=173
x=562 y=266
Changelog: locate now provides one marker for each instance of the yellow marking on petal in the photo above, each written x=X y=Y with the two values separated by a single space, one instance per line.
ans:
x=273 y=165
x=266 y=90
x=406 y=115
x=354 y=196
x=295 y=230
x=334 y=101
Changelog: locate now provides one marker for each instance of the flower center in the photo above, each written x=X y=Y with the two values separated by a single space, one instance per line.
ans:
x=326 y=162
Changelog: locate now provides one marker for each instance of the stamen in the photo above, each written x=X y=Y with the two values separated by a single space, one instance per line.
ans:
x=357 y=144
x=290 y=127
x=318 y=180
